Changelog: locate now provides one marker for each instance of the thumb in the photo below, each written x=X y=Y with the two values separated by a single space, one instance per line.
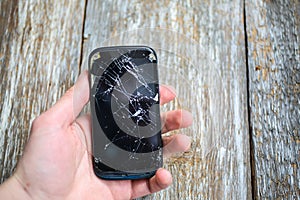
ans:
x=70 y=105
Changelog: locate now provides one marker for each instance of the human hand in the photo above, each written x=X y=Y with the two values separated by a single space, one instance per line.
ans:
x=57 y=162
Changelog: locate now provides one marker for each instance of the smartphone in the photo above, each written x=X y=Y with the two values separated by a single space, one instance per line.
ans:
x=126 y=124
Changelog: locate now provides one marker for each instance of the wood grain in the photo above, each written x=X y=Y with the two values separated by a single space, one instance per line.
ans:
x=201 y=53
x=274 y=75
x=39 y=59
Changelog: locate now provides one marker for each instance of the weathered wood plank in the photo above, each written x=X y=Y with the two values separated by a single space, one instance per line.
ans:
x=201 y=50
x=40 y=53
x=273 y=29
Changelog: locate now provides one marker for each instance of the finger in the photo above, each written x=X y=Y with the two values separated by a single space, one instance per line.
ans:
x=70 y=105
x=177 y=143
x=175 y=119
x=160 y=181
x=167 y=94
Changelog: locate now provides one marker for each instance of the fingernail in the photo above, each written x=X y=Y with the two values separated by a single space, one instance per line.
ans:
x=187 y=117
x=82 y=74
x=171 y=89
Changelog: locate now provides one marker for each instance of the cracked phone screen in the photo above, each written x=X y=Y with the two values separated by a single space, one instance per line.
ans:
x=126 y=126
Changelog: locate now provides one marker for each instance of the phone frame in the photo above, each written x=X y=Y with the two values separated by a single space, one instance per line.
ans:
x=115 y=174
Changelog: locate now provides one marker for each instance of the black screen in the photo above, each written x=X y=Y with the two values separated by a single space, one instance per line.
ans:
x=126 y=124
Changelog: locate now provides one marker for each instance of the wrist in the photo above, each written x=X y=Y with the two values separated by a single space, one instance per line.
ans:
x=12 y=189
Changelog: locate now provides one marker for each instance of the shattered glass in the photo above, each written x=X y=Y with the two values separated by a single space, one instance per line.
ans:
x=126 y=124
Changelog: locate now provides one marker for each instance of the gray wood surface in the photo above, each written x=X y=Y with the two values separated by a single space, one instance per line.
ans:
x=40 y=54
x=274 y=76
x=203 y=53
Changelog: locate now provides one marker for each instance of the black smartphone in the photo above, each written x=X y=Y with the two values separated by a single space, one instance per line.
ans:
x=126 y=124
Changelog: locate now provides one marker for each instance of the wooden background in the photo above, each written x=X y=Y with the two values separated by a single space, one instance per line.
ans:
x=235 y=64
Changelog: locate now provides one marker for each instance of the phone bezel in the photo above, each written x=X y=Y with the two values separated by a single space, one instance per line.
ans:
x=120 y=175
